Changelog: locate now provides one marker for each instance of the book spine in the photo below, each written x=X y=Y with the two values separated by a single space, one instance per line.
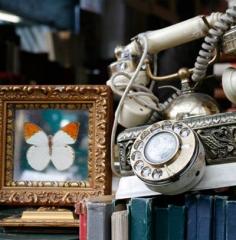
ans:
x=120 y=225
x=176 y=222
x=191 y=208
x=230 y=220
x=219 y=218
x=160 y=223
x=81 y=210
x=83 y=227
x=141 y=219
x=99 y=221
x=204 y=217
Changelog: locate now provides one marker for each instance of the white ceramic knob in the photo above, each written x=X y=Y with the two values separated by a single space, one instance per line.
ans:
x=229 y=83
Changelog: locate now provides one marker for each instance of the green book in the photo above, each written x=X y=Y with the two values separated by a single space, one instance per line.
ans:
x=176 y=222
x=141 y=219
x=160 y=223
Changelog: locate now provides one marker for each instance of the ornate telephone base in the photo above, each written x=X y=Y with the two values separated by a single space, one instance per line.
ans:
x=217 y=133
x=170 y=156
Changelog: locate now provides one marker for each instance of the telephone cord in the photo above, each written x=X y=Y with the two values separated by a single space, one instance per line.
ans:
x=210 y=43
x=117 y=112
x=136 y=90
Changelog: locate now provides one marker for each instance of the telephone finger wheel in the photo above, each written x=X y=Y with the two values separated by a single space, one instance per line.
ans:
x=168 y=156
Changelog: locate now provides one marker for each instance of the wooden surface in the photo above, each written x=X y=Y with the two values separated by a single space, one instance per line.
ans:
x=19 y=236
x=32 y=230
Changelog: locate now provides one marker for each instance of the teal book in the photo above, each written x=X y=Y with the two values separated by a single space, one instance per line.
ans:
x=204 y=217
x=140 y=213
x=230 y=220
x=160 y=223
x=176 y=222
x=219 y=217
x=129 y=218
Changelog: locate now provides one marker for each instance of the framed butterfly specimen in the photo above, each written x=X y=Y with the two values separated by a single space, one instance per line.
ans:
x=55 y=148
x=54 y=145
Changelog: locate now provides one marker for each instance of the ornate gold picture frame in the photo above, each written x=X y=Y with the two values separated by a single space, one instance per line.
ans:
x=40 y=163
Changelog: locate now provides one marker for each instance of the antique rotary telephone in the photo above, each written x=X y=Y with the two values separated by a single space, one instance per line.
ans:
x=169 y=155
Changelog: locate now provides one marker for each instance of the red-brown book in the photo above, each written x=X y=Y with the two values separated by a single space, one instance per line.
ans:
x=81 y=210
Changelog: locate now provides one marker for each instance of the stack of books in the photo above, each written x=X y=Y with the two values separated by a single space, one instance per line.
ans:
x=183 y=217
x=95 y=218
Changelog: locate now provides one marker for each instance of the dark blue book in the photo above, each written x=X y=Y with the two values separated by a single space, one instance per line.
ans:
x=219 y=218
x=230 y=220
x=160 y=223
x=176 y=222
x=204 y=217
x=191 y=214
x=140 y=219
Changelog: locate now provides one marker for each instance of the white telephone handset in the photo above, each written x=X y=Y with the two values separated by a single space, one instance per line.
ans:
x=140 y=103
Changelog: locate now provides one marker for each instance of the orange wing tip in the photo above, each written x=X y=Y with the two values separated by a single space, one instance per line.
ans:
x=30 y=129
x=72 y=129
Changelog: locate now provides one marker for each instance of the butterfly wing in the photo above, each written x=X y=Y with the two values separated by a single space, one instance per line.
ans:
x=63 y=155
x=34 y=135
x=66 y=135
x=38 y=155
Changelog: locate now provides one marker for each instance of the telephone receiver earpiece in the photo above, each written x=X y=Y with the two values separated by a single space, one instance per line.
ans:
x=229 y=83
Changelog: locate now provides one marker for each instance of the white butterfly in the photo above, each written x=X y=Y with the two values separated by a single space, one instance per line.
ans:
x=50 y=148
